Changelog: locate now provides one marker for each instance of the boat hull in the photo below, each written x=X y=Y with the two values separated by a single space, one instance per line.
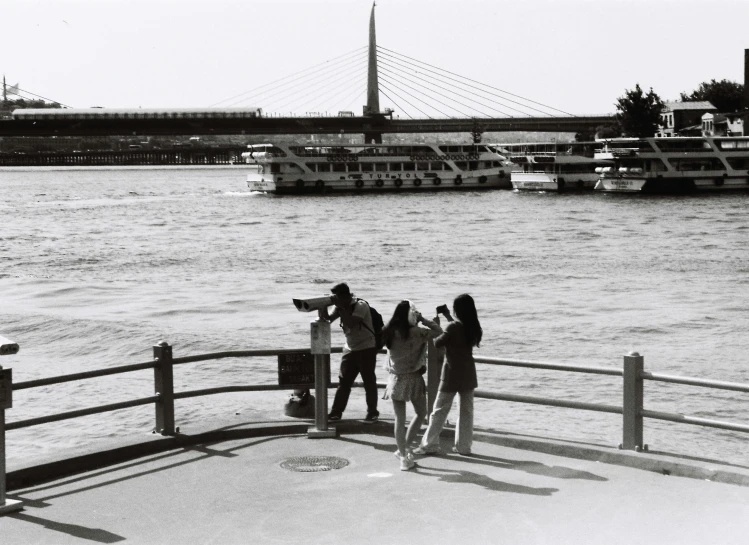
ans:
x=539 y=181
x=365 y=184
x=664 y=184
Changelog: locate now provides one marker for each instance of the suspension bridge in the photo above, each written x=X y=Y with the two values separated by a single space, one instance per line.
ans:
x=422 y=98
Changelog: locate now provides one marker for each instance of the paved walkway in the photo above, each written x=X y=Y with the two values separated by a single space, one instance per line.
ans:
x=236 y=491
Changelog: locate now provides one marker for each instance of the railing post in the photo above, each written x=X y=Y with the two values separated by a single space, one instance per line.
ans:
x=7 y=347
x=632 y=402
x=163 y=383
x=435 y=356
x=320 y=348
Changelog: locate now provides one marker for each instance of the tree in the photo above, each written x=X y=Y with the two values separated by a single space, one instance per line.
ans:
x=477 y=132
x=726 y=96
x=601 y=131
x=639 y=114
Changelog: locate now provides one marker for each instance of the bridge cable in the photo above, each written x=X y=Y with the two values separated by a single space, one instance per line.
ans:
x=407 y=102
x=458 y=102
x=387 y=63
x=303 y=87
x=304 y=92
x=38 y=96
x=437 y=100
x=323 y=77
x=420 y=69
x=358 y=83
x=484 y=84
x=395 y=103
x=286 y=77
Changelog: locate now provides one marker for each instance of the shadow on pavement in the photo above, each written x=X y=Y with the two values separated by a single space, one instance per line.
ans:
x=92 y=534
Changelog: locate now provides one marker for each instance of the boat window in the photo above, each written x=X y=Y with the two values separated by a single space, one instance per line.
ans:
x=738 y=162
x=446 y=166
x=275 y=168
x=422 y=166
x=339 y=167
x=323 y=167
x=409 y=166
x=381 y=167
x=655 y=165
x=437 y=165
x=734 y=144
x=462 y=165
x=395 y=167
x=367 y=167
x=708 y=163
x=684 y=144
x=473 y=165
x=353 y=167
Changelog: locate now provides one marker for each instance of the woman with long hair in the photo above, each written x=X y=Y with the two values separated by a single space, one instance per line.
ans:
x=458 y=377
x=406 y=342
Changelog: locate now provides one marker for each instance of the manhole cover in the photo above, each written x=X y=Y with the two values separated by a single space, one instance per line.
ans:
x=314 y=463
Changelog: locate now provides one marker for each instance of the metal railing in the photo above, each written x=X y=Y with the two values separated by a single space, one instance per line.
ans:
x=632 y=373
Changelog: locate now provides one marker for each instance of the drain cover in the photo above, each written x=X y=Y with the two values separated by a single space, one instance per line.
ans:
x=314 y=463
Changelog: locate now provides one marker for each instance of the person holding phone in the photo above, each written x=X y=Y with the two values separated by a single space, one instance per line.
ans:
x=458 y=377
x=406 y=342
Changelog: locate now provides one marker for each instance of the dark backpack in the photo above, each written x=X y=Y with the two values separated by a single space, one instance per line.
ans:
x=377 y=324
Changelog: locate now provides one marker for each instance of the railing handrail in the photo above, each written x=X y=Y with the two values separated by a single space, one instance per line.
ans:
x=705 y=383
x=550 y=366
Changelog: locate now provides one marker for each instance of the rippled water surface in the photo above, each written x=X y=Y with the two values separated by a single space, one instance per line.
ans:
x=96 y=266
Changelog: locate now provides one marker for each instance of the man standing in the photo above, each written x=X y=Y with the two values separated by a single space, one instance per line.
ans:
x=359 y=351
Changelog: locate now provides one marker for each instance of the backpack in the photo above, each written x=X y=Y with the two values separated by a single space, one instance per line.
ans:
x=377 y=324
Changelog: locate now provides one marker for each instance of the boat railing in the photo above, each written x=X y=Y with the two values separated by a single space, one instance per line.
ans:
x=632 y=409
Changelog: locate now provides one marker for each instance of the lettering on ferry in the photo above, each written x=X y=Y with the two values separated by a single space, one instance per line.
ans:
x=342 y=158
x=446 y=157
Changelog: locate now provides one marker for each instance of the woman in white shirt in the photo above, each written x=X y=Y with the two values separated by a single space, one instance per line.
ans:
x=406 y=342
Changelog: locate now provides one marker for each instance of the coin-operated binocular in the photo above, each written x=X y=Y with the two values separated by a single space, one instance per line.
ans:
x=314 y=303
x=8 y=347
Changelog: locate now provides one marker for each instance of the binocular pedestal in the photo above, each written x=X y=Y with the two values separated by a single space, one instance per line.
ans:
x=320 y=348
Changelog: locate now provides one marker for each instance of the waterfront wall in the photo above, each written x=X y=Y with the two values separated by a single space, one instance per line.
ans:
x=206 y=156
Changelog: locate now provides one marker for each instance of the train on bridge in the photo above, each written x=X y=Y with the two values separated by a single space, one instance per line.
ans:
x=46 y=114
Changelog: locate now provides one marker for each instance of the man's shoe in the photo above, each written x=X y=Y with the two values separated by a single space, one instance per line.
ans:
x=462 y=453
x=407 y=463
x=371 y=418
x=333 y=417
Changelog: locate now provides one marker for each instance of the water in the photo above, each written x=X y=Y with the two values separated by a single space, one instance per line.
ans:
x=96 y=266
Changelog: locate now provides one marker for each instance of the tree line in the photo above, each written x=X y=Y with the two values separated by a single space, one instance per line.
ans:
x=638 y=113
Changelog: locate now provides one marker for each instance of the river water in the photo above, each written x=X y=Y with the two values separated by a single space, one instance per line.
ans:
x=97 y=266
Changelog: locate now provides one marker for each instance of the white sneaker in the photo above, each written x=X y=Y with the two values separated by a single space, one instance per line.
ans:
x=409 y=454
x=407 y=463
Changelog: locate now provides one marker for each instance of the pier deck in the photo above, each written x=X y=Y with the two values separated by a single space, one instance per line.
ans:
x=514 y=489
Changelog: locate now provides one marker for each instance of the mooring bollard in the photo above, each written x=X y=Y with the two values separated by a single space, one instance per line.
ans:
x=7 y=348
x=320 y=348
x=632 y=402
x=163 y=384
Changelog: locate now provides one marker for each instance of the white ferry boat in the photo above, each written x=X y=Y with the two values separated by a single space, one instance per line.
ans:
x=674 y=165
x=553 y=166
x=300 y=169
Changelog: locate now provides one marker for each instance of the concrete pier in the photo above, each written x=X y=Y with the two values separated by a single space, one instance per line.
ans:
x=236 y=483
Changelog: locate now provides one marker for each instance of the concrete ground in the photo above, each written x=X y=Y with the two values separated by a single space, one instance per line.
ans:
x=237 y=491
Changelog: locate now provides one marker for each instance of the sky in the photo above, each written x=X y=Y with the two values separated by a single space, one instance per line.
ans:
x=577 y=56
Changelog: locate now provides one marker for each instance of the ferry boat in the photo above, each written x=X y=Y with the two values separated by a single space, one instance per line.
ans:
x=674 y=165
x=301 y=169
x=553 y=166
